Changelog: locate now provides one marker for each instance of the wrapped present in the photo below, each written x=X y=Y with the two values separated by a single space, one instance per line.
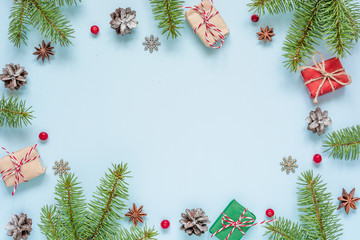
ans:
x=20 y=166
x=324 y=77
x=207 y=23
x=234 y=222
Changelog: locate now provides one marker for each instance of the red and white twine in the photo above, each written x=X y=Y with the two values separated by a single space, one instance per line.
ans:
x=16 y=170
x=243 y=221
x=209 y=27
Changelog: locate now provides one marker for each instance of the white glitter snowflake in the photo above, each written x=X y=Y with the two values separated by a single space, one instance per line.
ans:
x=61 y=167
x=151 y=43
x=288 y=165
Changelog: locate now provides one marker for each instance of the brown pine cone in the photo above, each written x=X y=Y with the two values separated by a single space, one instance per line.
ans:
x=14 y=76
x=123 y=20
x=19 y=226
x=194 y=222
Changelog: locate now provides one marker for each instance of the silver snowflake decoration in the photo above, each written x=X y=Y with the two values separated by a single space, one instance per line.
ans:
x=288 y=164
x=151 y=43
x=61 y=167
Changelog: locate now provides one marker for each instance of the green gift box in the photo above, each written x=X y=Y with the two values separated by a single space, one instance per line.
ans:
x=233 y=211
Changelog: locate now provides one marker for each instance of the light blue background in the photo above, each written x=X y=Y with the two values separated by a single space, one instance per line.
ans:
x=198 y=127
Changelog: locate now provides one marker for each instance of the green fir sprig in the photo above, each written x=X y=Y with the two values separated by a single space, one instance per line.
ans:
x=337 y=22
x=344 y=143
x=318 y=219
x=71 y=218
x=14 y=113
x=43 y=15
x=170 y=16
x=136 y=233
x=272 y=6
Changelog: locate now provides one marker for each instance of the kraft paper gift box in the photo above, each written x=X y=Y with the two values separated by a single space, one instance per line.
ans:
x=29 y=170
x=194 y=19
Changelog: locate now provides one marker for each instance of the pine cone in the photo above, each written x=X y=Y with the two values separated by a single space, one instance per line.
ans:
x=123 y=21
x=19 y=226
x=14 y=76
x=194 y=222
x=318 y=121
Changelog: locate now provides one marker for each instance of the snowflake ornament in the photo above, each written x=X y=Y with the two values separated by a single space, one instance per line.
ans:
x=288 y=164
x=61 y=167
x=151 y=43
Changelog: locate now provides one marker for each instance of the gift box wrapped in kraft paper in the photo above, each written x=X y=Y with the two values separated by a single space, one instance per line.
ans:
x=20 y=166
x=207 y=23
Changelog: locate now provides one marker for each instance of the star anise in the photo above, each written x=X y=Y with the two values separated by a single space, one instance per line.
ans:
x=136 y=214
x=44 y=51
x=348 y=201
x=266 y=34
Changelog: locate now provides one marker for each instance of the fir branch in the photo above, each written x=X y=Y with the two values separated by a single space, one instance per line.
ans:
x=318 y=219
x=317 y=213
x=136 y=233
x=107 y=204
x=351 y=11
x=48 y=19
x=14 y=113
x=338 y=28
x=18 y=24
x=301 y=38
x=50 y=223
x=67 y=2
x=284 y=229
x=344 y=143
x=71 y=205
x=272 y=6
x=170 y=16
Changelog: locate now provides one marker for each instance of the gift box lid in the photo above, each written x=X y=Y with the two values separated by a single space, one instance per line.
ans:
x=234 y=211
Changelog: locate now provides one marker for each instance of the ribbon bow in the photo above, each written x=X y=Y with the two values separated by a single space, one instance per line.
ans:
x=243 y=221
x=325 y=76
x=16 y=170
x=211 y=28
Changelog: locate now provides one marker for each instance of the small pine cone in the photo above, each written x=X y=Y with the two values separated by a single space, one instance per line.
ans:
x=14 y=76
x=194 y=222
x=318 y=121
x=123 y=21
x=19 y=226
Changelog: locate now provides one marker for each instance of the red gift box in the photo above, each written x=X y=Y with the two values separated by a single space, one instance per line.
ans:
x=324 y=77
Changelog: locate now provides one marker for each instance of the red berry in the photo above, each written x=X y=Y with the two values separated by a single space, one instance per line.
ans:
x=269 y=212
x=43 y=136
x=95 y=29
x=255 y=18
x=317 y=158
x=165 y=224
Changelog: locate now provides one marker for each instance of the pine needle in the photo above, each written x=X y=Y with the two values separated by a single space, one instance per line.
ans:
x=318 y=219
x=14 y=113
x=107 y=204
x=272 y=6
x=344 y=143
x=43 y=15
x=302 y=35
x=335 y=21
x=136 y=233
x=72 y=218
x=170 y=16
